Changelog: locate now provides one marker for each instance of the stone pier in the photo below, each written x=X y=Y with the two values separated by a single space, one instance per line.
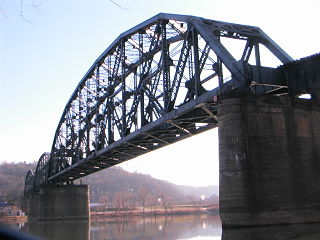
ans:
x=269 y=160
x=53 y=202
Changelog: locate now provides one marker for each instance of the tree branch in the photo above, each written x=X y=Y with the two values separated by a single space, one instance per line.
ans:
x=3 y=12
x=118 y=5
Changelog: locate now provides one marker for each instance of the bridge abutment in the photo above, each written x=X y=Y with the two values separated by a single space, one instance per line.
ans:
x=58 y=202
x=269 y=160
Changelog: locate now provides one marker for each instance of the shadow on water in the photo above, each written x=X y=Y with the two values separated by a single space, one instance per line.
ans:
x=288 y=232
x=61 y=230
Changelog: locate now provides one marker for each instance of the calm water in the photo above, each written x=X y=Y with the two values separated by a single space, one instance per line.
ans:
x=165 y=228
x=133 y=228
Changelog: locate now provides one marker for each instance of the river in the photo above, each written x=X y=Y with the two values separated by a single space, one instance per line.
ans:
x=196 y=227
x=131 y=228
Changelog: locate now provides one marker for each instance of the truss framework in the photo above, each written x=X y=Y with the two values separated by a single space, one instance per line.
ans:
x=157 y=83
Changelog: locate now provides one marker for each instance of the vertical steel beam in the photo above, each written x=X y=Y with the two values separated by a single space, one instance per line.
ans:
x=196 y=62
x=109 y=106
x=123 y=83
x=141 y=75
x=97 y=108
x=258 y=62
x=88 y=125
x=218 y=66
x=165 y=64
x=257 y=54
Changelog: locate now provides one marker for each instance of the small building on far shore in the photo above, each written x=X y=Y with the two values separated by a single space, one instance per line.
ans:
x=8 y=210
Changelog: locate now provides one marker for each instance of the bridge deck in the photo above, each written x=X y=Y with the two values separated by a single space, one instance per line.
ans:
x=192 y=118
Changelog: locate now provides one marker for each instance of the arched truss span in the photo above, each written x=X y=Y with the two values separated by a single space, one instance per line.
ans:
x=40 y=176
x=29 y=182
x=155 y=84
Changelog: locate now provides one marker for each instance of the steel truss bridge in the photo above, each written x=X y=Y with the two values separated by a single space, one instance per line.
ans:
x=156 y=84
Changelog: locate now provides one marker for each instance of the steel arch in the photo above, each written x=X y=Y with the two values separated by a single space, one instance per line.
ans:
x=155 y=84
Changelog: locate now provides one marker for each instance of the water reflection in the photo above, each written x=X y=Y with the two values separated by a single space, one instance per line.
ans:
x=292 y=232
x=157 y=228
x=131 y=228
x=166 y=228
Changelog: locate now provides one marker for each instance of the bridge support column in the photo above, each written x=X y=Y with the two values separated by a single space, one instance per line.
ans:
x=53 y=202
x=269 y=160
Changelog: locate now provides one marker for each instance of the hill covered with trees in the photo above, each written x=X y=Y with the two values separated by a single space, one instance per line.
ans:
x=12 y=177
x=113 y=183
x=113 y=186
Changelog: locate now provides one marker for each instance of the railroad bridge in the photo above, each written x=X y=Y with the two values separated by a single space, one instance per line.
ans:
x=174 y=76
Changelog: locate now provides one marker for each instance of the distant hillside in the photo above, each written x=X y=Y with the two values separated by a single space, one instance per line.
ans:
x=116 y=180
x=12 y=176
x=109 y=185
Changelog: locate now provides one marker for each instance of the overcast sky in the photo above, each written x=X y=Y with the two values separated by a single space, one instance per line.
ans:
x=45 y=53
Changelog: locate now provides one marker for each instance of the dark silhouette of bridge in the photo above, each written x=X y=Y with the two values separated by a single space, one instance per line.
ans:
x=156 y=84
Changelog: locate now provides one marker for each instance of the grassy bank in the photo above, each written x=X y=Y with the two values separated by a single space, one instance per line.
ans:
x=152 y=211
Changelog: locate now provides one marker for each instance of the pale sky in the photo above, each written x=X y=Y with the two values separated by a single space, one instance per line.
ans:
x=44 y=55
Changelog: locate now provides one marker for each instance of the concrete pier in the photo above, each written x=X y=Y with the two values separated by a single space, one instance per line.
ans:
x=53 y=202
x=269 y=160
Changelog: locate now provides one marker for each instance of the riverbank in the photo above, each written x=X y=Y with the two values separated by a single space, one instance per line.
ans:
x=13 y=219
x=159 y=211
x=176 y=210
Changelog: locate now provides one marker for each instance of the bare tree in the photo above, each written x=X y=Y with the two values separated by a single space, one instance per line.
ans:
x=166 y=201
x=155 y=199
x=32 y=4
x=118 y=200
x=3 y=12
x=103 y=200
x=131 y=200
x=142 y=196
x=35 y=5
